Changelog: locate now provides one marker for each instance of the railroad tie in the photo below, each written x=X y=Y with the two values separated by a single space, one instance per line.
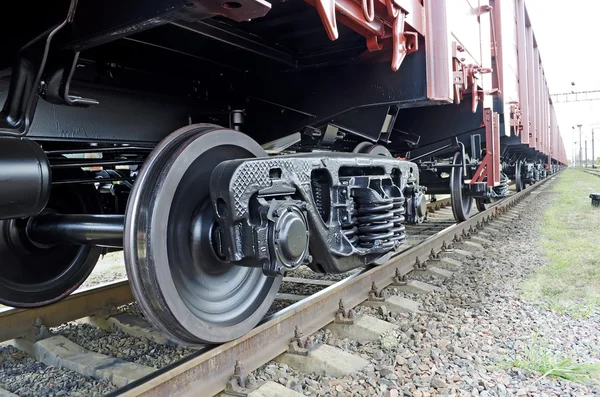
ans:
x=6 y=393
x=324 y=359
x=364 y=329
x=395 y=304
x=129 y=324
x=60 y=352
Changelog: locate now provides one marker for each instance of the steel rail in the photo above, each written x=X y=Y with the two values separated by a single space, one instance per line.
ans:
x=208 y=372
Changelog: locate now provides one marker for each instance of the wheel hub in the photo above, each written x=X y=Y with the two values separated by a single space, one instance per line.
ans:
x=290 y=236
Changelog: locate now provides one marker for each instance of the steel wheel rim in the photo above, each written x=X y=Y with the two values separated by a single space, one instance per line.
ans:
x=461 y=204
x=518 y=177
x=189 y=302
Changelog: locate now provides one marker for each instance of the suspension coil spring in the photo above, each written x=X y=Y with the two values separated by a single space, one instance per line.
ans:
x=380 y=222
x=398 y=210
x=318 y=196
x=351 y=231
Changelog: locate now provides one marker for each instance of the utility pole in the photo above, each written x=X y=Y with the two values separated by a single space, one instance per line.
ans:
x=586 y=153
x=593 y=156
x=580 y=153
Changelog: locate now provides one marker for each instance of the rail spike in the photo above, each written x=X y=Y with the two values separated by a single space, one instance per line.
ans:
x=434 y=256
x=38 y=331
x=420 y=266
x=300 y=345
x=375 y=295
x=399 y=279
x=465 y=235
x=343 y=316
x=240 y=383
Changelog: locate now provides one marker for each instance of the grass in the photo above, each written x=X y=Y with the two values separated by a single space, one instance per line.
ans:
x=538 y=358
x=570 y=240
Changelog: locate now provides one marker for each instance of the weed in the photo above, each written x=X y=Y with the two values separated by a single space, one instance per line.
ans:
x=389 y=340
x=537 y=357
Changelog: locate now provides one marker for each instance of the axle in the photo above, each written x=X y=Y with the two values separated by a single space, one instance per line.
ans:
x=82 y=229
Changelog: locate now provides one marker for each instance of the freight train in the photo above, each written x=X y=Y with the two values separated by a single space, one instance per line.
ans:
x=222 y=143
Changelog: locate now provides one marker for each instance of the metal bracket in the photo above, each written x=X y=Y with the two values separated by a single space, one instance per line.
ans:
x=59 y=72
x=465 y=235
x=446 y=247
x=300 y=345
x=343 y=316
x=371 y=21
x=38 y=331
x=434 y=256
x=240 y=384
x=399 y=279
x=375 y=295
x=403 y=43
x=420 y=266
x=465 y=80
x=489 y=168
x=38 y=70
x=516 y=118
x=326 y=9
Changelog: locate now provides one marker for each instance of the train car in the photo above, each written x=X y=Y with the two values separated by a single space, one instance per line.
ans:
x=531 y=145
x=223 y=143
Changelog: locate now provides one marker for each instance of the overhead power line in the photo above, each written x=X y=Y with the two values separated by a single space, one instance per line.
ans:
x=578 y=96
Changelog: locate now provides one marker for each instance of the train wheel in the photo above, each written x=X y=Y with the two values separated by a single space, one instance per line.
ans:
x=176 y=274
x=369 y=148
x=34 y=275
x=519 y=183
x=461 y=203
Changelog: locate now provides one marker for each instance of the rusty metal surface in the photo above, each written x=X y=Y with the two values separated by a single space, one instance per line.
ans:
x=210 y=371
x=17 y=322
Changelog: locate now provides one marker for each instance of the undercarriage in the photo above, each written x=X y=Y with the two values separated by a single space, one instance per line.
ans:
x=208 y=228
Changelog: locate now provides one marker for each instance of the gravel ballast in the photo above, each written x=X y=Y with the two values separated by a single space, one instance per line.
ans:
x=465 y=338
x=117 y=344
x=23 y=375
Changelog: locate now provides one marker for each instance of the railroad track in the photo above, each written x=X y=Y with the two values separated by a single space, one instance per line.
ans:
x=211 y=368
x=593 y=171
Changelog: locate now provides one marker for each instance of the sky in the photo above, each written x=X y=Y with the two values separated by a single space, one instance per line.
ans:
x=567 y=33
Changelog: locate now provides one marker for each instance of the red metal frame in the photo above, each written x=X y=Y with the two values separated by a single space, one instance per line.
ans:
x=383 y=23
x=489 y=169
